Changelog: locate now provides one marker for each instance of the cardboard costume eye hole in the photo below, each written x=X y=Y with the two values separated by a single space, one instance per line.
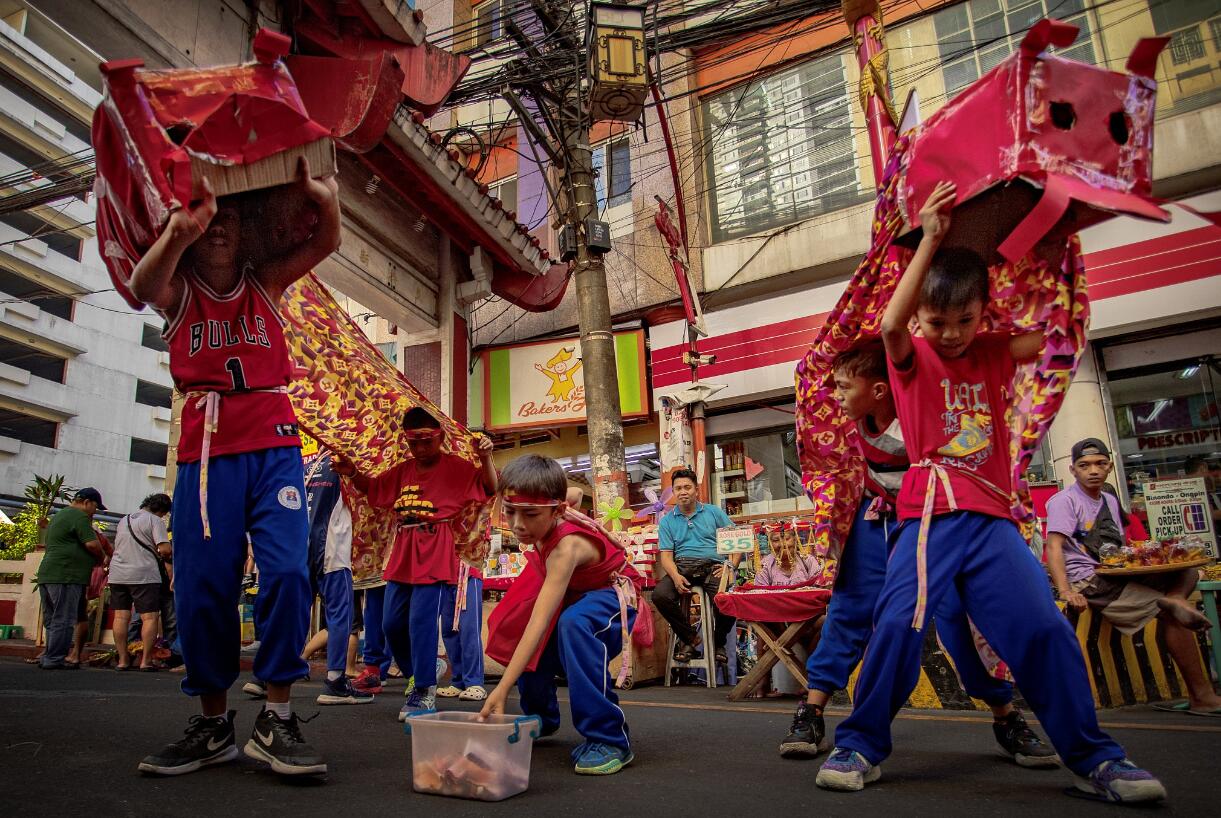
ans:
x=1062 y=115
x=1120 y=126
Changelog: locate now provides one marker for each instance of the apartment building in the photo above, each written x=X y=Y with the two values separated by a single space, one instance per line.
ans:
x=84 y=382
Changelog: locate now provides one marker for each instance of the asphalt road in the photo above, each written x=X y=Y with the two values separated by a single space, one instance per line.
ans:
x=69 y=744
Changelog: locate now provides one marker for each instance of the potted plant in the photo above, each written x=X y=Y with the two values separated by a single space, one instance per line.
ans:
x=42 y=495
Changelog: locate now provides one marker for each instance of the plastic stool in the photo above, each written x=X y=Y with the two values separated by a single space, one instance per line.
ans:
x=706 y=629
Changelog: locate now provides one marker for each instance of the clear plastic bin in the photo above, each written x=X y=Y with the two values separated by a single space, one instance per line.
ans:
x=454 y=753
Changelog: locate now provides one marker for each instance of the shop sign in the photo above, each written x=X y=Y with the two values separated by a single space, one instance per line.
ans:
x=1191 y=437
x=738 y=539
x=543 y=383
x=1180 y=508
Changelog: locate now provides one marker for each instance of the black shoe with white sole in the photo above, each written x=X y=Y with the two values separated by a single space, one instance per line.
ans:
x=279 y=742
x=1021 y=743
x=207 y=741
x=805 y=736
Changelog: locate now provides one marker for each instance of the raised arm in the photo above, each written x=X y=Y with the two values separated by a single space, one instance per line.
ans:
x=487 y=472
x=935 y=220
x=153 y=281
x=1025 y=347
x=277 y=274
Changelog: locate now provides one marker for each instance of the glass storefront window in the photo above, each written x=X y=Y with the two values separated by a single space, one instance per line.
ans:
x=643 y=471
x=1168 y=421
x=757 y=474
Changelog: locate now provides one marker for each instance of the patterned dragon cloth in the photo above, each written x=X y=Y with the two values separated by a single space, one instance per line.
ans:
x=352 y=399
x=1027 y=295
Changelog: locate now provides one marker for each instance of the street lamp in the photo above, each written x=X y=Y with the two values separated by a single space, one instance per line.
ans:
x=617 y=63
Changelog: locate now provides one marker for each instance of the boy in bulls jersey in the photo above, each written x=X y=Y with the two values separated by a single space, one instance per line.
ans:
x=951 y=391
x=863 y=393
x=428 y=491
x=567 y=613
x=239 y=471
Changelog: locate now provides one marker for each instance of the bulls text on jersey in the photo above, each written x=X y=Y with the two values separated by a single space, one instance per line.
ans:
x=220 y=334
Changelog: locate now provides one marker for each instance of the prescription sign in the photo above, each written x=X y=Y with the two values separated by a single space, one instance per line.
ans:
x=1180 y=508
x=738 y=539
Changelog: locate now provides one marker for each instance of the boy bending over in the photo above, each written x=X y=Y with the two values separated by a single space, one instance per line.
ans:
x=567 y=613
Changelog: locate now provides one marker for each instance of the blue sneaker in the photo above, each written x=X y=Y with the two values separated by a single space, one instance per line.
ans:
x=847 y=771
x=595 y=758
x=342 y=691
x=1121 y=781
x=419 y=703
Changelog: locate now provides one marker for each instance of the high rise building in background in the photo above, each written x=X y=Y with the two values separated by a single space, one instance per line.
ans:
x=84 y=381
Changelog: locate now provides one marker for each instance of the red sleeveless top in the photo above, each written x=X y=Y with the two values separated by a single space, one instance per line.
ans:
x=231 y=344
x=508 y=622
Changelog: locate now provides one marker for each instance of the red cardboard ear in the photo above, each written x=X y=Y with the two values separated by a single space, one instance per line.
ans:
x=1048 y=32
x=270 y=46
x=1143 y=60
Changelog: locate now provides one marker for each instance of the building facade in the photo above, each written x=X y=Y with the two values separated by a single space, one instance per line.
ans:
x=778 y=181
x=85 y=388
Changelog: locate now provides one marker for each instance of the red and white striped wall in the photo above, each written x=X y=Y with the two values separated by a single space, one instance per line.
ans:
x=1141 y=275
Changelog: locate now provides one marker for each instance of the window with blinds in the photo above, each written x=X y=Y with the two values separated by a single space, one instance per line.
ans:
x=781 y=149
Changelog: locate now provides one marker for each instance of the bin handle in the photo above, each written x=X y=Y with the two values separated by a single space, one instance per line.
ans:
x=519 y=721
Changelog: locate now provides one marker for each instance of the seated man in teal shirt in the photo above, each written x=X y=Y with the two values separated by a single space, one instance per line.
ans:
x=687 y=540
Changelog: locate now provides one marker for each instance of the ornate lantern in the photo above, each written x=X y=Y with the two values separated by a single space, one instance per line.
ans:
x=619 y=80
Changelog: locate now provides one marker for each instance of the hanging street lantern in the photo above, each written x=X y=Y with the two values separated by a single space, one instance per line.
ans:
x=619 y=79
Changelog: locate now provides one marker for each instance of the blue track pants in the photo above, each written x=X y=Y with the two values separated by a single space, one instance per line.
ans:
x=262 y=494
x=1006 y=593
x=336 y=592
x=412 y=625
x=585 y=641
x=849 y=623
x=377 y=654
x=465 y=645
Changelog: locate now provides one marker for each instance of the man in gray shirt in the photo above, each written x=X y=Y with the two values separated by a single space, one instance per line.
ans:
x=141 y=542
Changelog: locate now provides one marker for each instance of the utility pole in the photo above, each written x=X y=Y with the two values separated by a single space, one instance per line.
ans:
x=569 y=125
x=608 y=467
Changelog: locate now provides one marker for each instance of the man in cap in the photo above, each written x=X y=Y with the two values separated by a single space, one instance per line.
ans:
x=1083 y=520
x=73 y=549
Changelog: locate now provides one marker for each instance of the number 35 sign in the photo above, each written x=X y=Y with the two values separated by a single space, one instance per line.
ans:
x=739 y=539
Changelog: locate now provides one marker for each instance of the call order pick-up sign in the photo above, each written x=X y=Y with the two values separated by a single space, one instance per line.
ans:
x=1180 y=508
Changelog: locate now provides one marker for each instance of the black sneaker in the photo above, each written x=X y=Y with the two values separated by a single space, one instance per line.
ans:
x=207 y=741
x=278 y=742
x=1021 y=743
x=342 y=691
x=805 y=736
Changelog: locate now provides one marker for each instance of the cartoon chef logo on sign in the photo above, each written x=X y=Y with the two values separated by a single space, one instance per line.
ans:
x=561 y=371
x=542 y=383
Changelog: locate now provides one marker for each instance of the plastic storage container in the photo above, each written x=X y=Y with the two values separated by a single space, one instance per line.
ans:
x=453 y=753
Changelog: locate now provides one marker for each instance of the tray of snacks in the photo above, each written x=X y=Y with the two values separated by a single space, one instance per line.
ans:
x=1150 y=557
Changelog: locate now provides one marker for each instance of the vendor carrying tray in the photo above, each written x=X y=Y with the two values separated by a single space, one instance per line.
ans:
x=1152 y=569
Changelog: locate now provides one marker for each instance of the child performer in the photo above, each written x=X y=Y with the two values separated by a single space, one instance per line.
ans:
x=240 y=459
x=462 y=606
x=863 y=392
x=567 y=613
x=951 y=393
x=330 y=536
x=428 y=490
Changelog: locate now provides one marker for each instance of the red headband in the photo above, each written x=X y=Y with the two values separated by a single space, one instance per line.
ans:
x=422 y=434
x=530 y=500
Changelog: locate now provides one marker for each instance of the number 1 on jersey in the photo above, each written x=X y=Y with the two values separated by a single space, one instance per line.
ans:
x=234 y=366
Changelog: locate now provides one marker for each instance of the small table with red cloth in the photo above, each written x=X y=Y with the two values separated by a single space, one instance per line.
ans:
x=802 y=606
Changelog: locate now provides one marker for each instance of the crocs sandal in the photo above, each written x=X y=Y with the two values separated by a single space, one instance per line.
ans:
x=474 y=693
x=448 y=692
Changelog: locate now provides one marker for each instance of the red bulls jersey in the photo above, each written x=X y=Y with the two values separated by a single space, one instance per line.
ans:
x=232 y=344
